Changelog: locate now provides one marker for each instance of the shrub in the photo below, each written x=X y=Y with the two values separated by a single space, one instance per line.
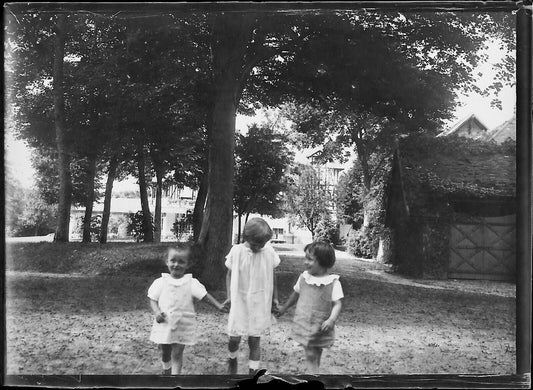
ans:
x=365 y=242
x=135 y=225
x=182 y=226
x=327 y=230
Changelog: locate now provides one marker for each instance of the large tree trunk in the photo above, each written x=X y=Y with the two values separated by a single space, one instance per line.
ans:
x=204 y=231
x=157 y=216
x=198 y=213
x=111 y=173
x=89 y=201
x=143 y=189
x=239 y=217
x=65 y=179
x=231 y=35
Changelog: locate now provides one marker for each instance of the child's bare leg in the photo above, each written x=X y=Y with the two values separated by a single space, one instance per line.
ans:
x=177 y=358
x=311 y=359
x=255 y=353
x=319 y=356
x=233 y=347
x=166 y=356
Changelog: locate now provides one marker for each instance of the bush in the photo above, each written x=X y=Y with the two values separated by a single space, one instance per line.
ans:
x=365 y=242
x=135 y=225
x=327 y=230
x=182 y=226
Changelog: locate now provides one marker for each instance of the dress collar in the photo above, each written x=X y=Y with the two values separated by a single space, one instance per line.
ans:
x=176 y=282
x=319 y=280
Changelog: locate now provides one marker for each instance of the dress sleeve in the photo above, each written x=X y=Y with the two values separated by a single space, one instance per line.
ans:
x=229 y=258
x=197 y=289
x=275 y=259
x=296 y=287
x=336 y=292
x=154 y=291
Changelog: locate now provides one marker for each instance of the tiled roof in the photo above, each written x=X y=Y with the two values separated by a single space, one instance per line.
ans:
x=461 y=166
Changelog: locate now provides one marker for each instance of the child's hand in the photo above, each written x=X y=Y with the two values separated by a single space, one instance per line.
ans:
x=280 y=311
x=227 y=303
x=160 y=317
x=223 y=308
x=275 y=307
x=327 y=325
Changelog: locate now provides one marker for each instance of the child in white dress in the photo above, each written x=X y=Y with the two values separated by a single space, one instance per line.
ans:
x=251 y=289
x=172 y=302
x=318 y=295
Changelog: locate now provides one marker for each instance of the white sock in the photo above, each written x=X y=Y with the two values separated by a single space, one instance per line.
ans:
x=254 y=364
x=166 y=365
x=233 y=355
x=176 y=369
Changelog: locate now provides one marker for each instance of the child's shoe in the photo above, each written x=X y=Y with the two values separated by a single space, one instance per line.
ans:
x=232 y=366
x=168 y=371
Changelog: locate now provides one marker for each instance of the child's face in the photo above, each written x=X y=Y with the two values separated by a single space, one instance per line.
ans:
x=312 y=266
x=177 y=263
x=255 y=245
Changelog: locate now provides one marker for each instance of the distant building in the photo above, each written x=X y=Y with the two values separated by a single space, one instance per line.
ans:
x=469 y=127
x=176 y=202
x=472 y=127
x=505 y=131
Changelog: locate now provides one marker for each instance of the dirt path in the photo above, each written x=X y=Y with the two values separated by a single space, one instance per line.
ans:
x=388 y=325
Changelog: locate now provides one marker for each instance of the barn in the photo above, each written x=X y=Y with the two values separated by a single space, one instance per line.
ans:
x=450 y=208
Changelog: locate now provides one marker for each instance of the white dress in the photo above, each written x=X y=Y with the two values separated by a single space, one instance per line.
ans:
x=175 y=299
x=251 y=288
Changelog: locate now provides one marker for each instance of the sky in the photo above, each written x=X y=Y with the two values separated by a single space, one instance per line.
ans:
x=17 y=155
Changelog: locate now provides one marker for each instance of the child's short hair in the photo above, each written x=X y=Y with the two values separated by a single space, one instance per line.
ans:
x=256 y=229
x=179 y=248
x=324 y=253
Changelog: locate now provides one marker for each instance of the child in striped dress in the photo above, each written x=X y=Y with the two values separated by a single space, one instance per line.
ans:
x=172 y=302
x=318 y=297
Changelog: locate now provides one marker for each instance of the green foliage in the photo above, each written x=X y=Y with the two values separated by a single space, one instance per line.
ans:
x=135 y=225
x=327 y=230
x=38 y=218
x=364 y=242
x=261 y=159
x=349 y=197
x=182 y=227
x=94 y=229
x=114 y=225
x=307 y=199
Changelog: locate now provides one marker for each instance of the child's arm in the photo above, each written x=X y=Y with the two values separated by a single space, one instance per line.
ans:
x=275 y=301
x=335 y=311
x=159 y=315
x=212 y=300
x=290 y=302
x=228 y=291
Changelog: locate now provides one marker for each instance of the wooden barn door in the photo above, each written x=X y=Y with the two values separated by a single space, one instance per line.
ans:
x=484 y=250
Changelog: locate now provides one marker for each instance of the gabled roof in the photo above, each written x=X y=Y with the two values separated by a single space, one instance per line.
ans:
x=459 y=166
x=503 y=132
x=459 y=124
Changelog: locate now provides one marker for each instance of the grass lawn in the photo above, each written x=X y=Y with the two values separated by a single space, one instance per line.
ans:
x=81 y=309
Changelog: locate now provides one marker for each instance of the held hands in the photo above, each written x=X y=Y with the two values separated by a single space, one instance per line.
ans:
x=161 y=317
x=275 y=307
x=223 y=308
x=327 y=325
x=226 y=304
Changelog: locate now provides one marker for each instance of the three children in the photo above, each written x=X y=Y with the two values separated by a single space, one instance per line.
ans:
x=252 y=297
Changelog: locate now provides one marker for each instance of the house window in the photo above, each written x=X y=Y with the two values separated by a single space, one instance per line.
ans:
x=277 y=232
